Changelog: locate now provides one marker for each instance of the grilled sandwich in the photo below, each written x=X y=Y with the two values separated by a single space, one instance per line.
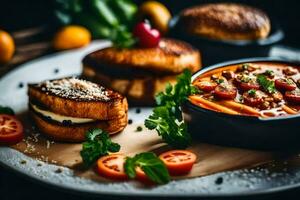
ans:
x=65 y=109
x=140 y=73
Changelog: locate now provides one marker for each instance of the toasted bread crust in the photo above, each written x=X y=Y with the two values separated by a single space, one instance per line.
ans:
x=77 y=133
x=227 y=21
x=139 y=91
x=99 y=110
x=171 y=57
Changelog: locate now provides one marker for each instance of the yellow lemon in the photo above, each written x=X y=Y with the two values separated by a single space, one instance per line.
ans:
x=157 y=13
x=7 y=47
x=70 y=37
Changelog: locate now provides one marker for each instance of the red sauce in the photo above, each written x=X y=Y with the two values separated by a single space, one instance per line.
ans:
x=265 y=89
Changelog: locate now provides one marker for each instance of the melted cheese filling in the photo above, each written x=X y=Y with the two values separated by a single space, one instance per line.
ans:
x=61 y=118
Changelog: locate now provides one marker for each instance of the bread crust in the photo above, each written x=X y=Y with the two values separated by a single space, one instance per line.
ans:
x=139 y=90
x=100 y=110
x=171 y=57
x=226 y=21
x=76 y=133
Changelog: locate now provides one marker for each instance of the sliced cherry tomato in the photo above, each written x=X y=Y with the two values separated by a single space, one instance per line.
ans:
x=285 y=84
x=178 y=162
x=293 y=96
x=112 y=166
x=147 y=37
x=249 y=86
x=11 y=130
x=225 y=92
x=253 y=99
x=206 y=86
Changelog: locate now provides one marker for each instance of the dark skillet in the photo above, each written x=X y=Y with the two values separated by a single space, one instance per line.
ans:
x=214 y=51
x=278 y=133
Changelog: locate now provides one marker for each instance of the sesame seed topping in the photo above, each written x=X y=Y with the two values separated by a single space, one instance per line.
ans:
x=76 y=89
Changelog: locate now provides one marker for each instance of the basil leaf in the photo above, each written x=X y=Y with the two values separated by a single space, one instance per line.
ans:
x=153 y=167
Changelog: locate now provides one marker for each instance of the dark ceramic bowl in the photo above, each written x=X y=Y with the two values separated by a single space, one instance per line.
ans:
x=215 y=51
x=242 y=131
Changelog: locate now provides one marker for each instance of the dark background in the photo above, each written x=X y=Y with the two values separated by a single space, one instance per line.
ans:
x=20 y=14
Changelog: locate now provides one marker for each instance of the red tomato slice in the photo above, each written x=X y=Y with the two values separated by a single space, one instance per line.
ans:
x=11 y=130
x=206 y=86
x=293 y=96
x=112 y=166
x=252 y=100
x=249 y=86
x=225 y=92
x=285 y=84
x=178 y=162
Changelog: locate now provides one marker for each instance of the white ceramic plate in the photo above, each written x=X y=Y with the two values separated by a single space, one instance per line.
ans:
x=241 y=182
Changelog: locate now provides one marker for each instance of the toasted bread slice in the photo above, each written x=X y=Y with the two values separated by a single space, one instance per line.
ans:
x=225 y=21
x=78 y=98
x=170 y=57
x=139 y=91
x=76 y=133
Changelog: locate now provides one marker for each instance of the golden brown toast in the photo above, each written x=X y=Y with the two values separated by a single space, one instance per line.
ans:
x=170 y=57
x=226 y=21
x=78 y=98
x=139 y=91
x=76 y=133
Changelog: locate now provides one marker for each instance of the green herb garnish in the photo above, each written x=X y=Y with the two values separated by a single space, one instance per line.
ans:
x=266 y=84
x=252 y=92
x=269 y=72
x=122 y=38
x=6 y=110
x=98 y=143
x=220 y=80
x=290 y=81
x=139 y=129
x=153 y=167
x=166 y=118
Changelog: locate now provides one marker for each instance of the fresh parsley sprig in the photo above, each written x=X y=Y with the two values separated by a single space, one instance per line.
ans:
x=153 y=167
x=166 y=118
x=266 y=84
x=122 y=38
x=98 y=143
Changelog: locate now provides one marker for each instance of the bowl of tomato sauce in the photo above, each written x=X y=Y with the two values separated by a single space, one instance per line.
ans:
x=252 y=103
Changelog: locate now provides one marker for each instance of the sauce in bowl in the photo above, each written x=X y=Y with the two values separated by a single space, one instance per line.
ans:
x=262 y=89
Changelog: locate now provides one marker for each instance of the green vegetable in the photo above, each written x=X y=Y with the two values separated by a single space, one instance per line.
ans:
x=6 y=110
x=166 y=118
x=101 y=9
x=109 y=19
x=139 y=129
x=269 y=72
x=98 y=143
x=153 y=167
x=122 y=38
x=252 y=92
x=266 y=84
x=125 y=9
x=219 y=81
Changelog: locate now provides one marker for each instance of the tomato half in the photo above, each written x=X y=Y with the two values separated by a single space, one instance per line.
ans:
x=249 y=86
x=112 y=166
x=293 y=96
x=206 y=86
x=285 y=84
x=178 y=162
x=253 y=100
x=11 y=130
x=225 y=92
